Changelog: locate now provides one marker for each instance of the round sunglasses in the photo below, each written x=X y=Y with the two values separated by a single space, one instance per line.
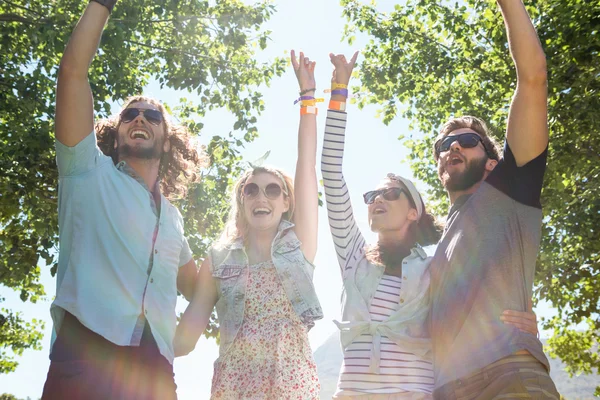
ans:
x=466 y=140
x=389 y=194
x=272 y=191
x=152 y=116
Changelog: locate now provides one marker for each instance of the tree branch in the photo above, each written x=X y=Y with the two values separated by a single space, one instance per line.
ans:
x=22 y=8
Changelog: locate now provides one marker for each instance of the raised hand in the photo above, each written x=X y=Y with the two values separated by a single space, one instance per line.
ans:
x=305 y=72
x=343 y=68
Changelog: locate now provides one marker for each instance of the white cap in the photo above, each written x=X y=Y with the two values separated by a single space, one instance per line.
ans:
x=414 y=193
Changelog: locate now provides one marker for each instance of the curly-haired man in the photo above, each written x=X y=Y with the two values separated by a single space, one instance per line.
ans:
x=123 y=254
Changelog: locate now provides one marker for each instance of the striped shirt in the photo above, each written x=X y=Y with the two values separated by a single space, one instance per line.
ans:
x=400 y=370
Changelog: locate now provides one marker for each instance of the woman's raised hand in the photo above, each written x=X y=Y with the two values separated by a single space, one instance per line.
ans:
x=305 y=72
x=343 y=68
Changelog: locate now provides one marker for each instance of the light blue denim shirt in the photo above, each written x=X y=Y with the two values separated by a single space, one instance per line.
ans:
x=230 y=270
x=118 y=256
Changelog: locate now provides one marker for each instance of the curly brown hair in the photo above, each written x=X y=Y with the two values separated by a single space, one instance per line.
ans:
x=178 y=168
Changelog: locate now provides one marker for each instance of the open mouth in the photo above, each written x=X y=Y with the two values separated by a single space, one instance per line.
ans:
x=455 y=160
x=139 y=134
x=261 y=211
x=379 y=210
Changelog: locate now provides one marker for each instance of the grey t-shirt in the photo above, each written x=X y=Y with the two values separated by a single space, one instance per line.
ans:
x=484 y=264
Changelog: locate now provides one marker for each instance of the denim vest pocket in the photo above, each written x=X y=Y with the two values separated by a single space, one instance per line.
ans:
x=226 y=277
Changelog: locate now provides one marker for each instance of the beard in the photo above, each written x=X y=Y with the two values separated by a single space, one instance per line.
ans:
x=146 y=153
x=459 y=181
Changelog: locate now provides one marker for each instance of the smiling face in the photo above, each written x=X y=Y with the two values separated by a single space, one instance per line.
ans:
x=263 y=211
x=460 y=168
x=391 y=215
x=143 y=136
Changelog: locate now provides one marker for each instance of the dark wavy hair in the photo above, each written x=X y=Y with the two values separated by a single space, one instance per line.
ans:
x=178 y=168
x=424 y=232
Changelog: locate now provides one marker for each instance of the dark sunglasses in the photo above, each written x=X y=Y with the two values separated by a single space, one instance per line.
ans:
x=272 y=191
x=389 y=194
x=466 y=140
x=152 y=116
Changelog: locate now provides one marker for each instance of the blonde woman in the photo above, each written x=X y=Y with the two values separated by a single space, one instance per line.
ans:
x=259 y=276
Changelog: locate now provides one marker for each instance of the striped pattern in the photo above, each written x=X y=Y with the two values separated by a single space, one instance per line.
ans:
x=400 y=370
x=349 y=242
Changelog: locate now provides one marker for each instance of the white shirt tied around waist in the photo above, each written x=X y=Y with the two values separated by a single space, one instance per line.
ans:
x=405 y=326
x=119 y=257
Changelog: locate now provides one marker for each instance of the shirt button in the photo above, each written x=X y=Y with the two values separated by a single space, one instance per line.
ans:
x=151 y=280
x=401 y=300
x=155 y=251
x=404 y=277
x=146 y=311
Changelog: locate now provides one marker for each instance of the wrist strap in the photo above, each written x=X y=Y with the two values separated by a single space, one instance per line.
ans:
x=337 y=105
x=303 y=98
x=335 y=85
x=110 y=4
x=341 y=92
x=309 y=110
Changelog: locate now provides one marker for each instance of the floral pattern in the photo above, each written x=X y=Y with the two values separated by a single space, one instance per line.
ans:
x=270 y=357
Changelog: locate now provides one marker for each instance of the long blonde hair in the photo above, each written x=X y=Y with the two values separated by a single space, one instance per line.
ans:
x=236 y=226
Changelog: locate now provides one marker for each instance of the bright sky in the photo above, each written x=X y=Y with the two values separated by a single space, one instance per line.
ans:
x=372 y=150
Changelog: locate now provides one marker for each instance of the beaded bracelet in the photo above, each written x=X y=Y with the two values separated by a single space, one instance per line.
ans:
x=303 y=92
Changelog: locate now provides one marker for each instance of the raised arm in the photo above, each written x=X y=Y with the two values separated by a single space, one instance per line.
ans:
x=527 y=129
x=74 y=103
x=346 y=236
x=197 y=314
x=305 y=181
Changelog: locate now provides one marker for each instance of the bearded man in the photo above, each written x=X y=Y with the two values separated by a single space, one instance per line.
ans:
x=123 y=254
x=486 y=258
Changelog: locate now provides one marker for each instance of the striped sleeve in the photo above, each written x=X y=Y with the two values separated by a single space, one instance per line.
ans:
x=348 y=240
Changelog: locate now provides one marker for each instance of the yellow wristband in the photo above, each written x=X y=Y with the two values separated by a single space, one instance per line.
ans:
x=309 y=110
x=337 y=105
x=335 y=85
x=311 y=102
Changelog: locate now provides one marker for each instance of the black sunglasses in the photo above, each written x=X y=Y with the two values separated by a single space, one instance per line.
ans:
x=152 y=116
x=272 y=191
x=466 y=140
x=389 y=194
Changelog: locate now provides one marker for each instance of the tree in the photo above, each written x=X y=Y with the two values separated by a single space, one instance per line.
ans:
x=203 y=47
x=428 y=60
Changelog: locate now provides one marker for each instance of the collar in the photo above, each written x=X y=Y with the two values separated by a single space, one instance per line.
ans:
x=125 y=168
x=418 y=250
x=284 y=225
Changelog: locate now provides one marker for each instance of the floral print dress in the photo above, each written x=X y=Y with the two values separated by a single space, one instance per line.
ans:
x=270 y=357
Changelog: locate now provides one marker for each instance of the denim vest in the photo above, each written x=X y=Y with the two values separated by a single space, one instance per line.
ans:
x=230 y=271
x=407 y=326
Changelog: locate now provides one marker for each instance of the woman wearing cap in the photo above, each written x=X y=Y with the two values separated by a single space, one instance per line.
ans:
x=385 y=301
x=259 y=276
